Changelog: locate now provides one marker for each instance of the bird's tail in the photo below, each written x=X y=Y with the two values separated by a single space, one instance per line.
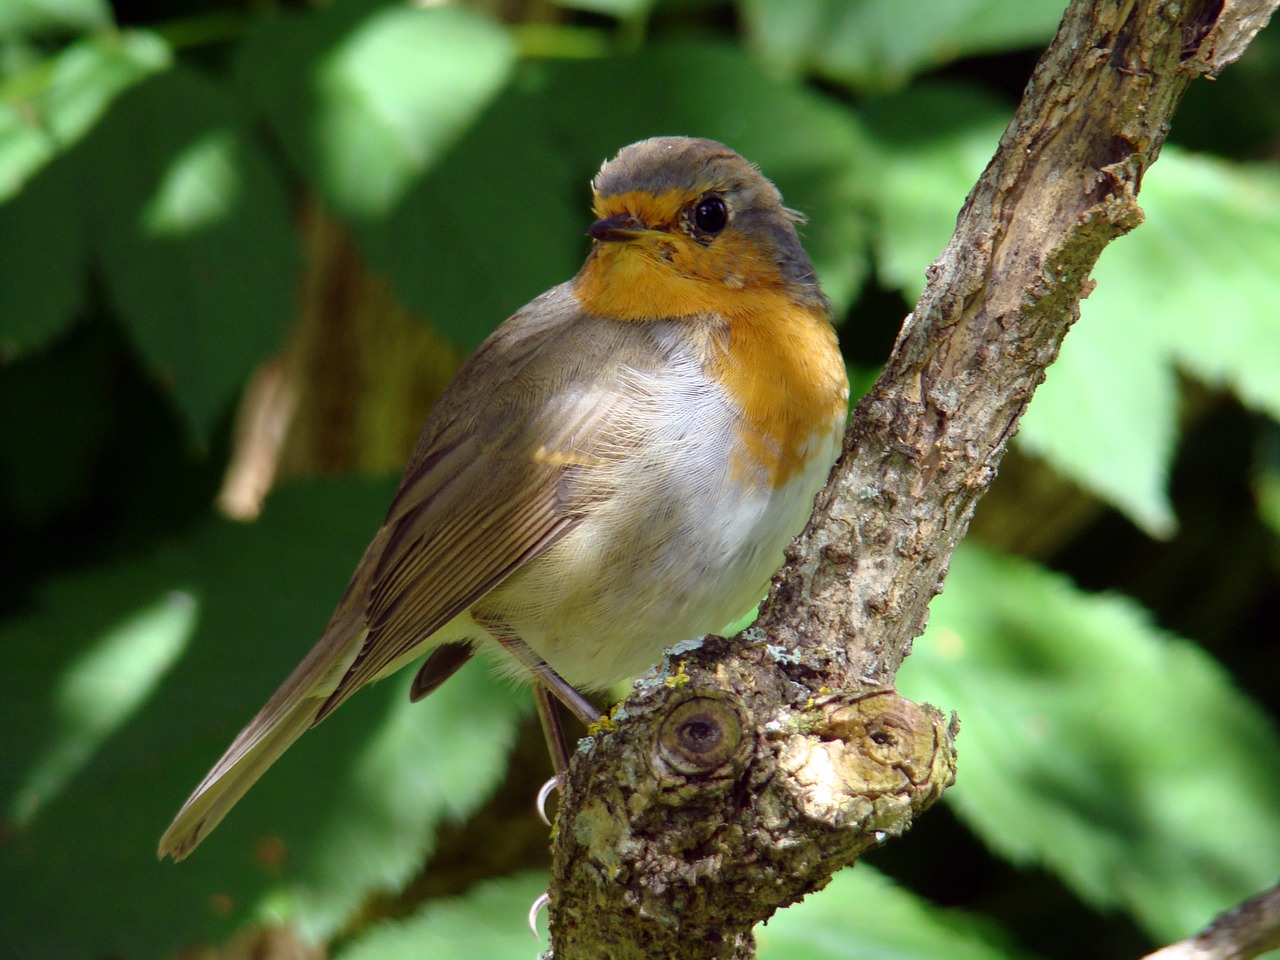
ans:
x=290 y=711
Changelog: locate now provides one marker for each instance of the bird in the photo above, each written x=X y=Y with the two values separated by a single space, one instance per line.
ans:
x=618 y=467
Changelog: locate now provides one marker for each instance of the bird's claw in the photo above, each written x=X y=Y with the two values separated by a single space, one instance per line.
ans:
x=544 y=792
x=534 y=909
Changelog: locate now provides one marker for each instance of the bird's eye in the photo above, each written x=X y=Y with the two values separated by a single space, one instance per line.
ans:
x=711 y=215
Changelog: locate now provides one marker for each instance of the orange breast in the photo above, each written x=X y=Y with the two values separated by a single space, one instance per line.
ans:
x=776 y=357
x=783 y=367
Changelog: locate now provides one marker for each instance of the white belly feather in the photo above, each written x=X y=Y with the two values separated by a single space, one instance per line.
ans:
x=683 y=548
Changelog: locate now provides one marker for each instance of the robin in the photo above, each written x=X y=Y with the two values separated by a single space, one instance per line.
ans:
x=617 y=467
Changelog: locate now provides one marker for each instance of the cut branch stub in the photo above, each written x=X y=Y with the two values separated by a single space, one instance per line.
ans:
x=870 y=762
x=671 y=843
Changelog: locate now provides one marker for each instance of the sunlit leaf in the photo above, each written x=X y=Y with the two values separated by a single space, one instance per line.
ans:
x=102 y=689
x=933 y=142
x=862 y=915
x=865 y=44
x=189 y=225
x=35 y=17
x=368 y=95
x=350 y=809
x=611 y=8
x=1196 y=286
x=487 y=923
x=1119 y=757
x=489 y=228
x=1200 y=280
x=54 y=102
x=197 y=189
x=43 y=231
x=1107 y=415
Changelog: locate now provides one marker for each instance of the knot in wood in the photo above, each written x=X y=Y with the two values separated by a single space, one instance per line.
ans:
x=701 y=736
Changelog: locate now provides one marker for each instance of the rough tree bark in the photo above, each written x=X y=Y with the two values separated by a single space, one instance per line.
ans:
x=746 y=771
x=1242 y=933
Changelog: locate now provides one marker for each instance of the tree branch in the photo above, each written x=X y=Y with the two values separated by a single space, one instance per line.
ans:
x=747 y=771
x=1245 y=932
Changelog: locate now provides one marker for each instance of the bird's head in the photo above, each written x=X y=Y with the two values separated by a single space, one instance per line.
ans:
x=687 y=226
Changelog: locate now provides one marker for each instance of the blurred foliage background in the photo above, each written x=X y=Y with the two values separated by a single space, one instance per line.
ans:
x=244 y=244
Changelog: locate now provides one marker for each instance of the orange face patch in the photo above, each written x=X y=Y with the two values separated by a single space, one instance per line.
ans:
x=665 y=272
x=653 y=209
x=660 y=276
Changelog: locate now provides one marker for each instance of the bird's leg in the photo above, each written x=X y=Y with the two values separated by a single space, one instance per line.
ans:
x=551 y=728
x=547 y=684
x=579 y=705
x=549 y=714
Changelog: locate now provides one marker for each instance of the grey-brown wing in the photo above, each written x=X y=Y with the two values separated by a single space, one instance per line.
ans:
x=503 y=470
x=458 y=538
x=486 y=495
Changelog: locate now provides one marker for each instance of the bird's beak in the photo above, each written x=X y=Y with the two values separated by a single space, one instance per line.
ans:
x=623 y=226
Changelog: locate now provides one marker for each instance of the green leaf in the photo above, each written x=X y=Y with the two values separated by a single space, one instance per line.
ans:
x=1117 y=756
x=488 y=923
x=189 y=225
x=860 y=914
x=44 y=111
x=1200 y=280
x=621 y=9
x=863 y=915
x=460 y=251
x=33 y=17
x=44 y=237
x=122 y=686
x=366 y=96
x=101 y=689
x=865 y=44
x=44 y=470
x=932 y=143
x=1195 y=285
x=54 y=102
x=193 y=236
x=1107 y=417
x=1236 y=115
x=1266 y=487
x=822 y=164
